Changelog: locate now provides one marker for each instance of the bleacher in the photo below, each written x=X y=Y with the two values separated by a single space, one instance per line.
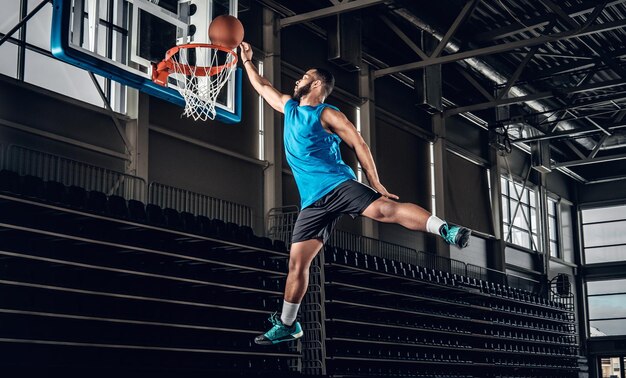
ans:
x=96 y=281
x=390 y=318
x=92 y=282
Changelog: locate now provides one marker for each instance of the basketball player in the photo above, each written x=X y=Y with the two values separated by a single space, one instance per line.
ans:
x=328 y=187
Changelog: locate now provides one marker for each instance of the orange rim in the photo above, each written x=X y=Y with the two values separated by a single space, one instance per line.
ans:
x=162 y=69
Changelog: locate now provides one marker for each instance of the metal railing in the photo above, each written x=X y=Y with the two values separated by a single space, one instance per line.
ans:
x=280 y=222
x=199 y=204
x=49 y=167
x=374 y=247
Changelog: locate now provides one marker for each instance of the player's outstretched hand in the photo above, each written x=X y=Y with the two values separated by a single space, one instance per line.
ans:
x=245 y=51
x=382 y=190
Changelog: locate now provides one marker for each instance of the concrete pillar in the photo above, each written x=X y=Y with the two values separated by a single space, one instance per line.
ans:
x=441 y=162
x=137 y=133
x=272 y=120
x=496 y=248
x=368 y=132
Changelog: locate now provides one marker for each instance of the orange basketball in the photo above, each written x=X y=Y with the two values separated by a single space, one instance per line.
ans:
x=227 y=31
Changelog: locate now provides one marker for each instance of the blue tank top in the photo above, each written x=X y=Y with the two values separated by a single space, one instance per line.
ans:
x=312 y=152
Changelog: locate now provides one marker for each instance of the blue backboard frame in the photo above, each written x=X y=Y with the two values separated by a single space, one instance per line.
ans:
x=62 y=48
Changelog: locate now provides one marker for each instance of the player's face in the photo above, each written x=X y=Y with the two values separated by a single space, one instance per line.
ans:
x=303 y=86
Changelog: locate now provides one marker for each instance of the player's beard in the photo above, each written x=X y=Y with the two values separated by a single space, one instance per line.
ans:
x=301 y=92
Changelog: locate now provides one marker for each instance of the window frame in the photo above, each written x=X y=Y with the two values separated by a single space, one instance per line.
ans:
x=557 y=220
x=508 y=199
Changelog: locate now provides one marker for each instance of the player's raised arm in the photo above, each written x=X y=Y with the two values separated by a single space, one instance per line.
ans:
x=273 y=97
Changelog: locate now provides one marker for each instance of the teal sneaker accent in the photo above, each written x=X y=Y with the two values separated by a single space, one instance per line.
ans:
x=279 y=332
x=455 y=235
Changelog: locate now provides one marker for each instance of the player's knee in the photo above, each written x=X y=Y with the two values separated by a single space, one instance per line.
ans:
x=297 y=265
x=388 y=209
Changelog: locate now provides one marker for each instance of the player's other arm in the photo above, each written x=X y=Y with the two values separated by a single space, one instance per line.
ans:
x=339 y=124
x=273 y=97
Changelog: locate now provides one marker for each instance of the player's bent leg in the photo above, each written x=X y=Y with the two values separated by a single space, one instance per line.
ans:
x=408 y=215
x=415 y=217
x=300 y=257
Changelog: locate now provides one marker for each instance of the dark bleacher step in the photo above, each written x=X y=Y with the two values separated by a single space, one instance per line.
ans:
x=409 y=290
x=130 y=361
x=24 y=268
x=358 y=302
x=343 y=325
x=38 y=296
x=406 y=335
x=66 y=327
x=35 y=216
x=174 y=253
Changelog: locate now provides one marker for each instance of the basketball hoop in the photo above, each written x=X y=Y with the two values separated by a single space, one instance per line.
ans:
x=200 y=70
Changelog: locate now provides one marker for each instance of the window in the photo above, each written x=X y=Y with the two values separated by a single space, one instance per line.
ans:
x=40 y=68
x=604 y=234
x=606 y=301
x=519 y=215
x=432 y=177
x=553 y=227
x=359 y=169
x=261 y=119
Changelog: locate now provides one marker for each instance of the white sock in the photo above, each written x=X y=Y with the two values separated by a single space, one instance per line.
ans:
x=290 y=311
x=433 y=224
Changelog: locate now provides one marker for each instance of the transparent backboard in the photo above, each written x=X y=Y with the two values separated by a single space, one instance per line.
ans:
x=121 y=39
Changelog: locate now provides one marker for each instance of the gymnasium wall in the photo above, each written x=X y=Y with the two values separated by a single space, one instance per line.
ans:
x=29 y=114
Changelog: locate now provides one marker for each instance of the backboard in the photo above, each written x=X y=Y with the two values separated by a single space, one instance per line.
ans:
x=120 y=39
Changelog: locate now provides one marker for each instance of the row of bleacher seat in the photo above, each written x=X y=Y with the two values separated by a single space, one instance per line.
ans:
x=380 y=264
x=117 y=207
x=445 y=319
x=517 y=294
x=521 y=335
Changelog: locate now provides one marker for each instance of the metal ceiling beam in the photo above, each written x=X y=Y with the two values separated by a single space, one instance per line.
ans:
x=518 y=71
x=587 y=161
x=596 y=149
x=575 y=117
x=533 y=116
x=570 y=133
x=608 y=179
x=532 y=97
x=504 y=47
x=405 y=38
x=520 y=67
x=328 y=11
x=578 y=66
x=561 y=13
x=536 y=22
x=575 y=149
x=474 y=83
x=557 y=135
x=460 y=19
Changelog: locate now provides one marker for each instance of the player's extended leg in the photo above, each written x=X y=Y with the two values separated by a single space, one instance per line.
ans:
x=286 y=328
x=416 y=218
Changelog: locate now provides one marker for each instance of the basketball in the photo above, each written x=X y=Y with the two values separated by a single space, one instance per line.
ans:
x=226 y=31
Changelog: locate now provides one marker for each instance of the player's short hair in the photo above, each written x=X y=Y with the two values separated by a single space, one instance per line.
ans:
x=327 y=79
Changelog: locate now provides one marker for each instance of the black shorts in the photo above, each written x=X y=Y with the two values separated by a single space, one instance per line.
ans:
x=318 y=220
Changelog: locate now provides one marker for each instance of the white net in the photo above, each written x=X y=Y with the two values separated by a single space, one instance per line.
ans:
x=198 y=79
